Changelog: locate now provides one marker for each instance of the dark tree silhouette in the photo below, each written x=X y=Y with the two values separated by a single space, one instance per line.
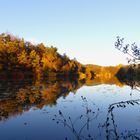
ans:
x=112 y=132
x=129 y=74
x=131 y=50
x=86 y=118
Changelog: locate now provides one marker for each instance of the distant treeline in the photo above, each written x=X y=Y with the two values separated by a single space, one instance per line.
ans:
x=17 y=55
x=20 y=59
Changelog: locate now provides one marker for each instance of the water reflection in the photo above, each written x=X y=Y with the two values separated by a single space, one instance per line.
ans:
x=83 y=117
x=17 y=97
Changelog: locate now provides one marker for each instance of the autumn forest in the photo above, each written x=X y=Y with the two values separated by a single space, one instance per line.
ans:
x=22 y=59
x=17 y=55
x=35 y=76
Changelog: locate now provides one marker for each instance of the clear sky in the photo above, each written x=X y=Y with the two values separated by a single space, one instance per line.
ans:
x=83 y=29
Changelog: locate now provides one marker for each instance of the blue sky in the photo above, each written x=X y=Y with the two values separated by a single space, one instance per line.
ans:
x=83 y=29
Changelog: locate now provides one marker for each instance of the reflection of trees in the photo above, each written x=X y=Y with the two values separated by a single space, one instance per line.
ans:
x=17 y=97
x=129 y=75
x=111 y=126
x=8 y=88
x=102 y=80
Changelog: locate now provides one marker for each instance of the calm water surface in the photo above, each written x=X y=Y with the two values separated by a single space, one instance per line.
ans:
x=68 y=111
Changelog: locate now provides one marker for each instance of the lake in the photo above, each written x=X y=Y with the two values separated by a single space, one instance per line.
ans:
x=69 y=110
